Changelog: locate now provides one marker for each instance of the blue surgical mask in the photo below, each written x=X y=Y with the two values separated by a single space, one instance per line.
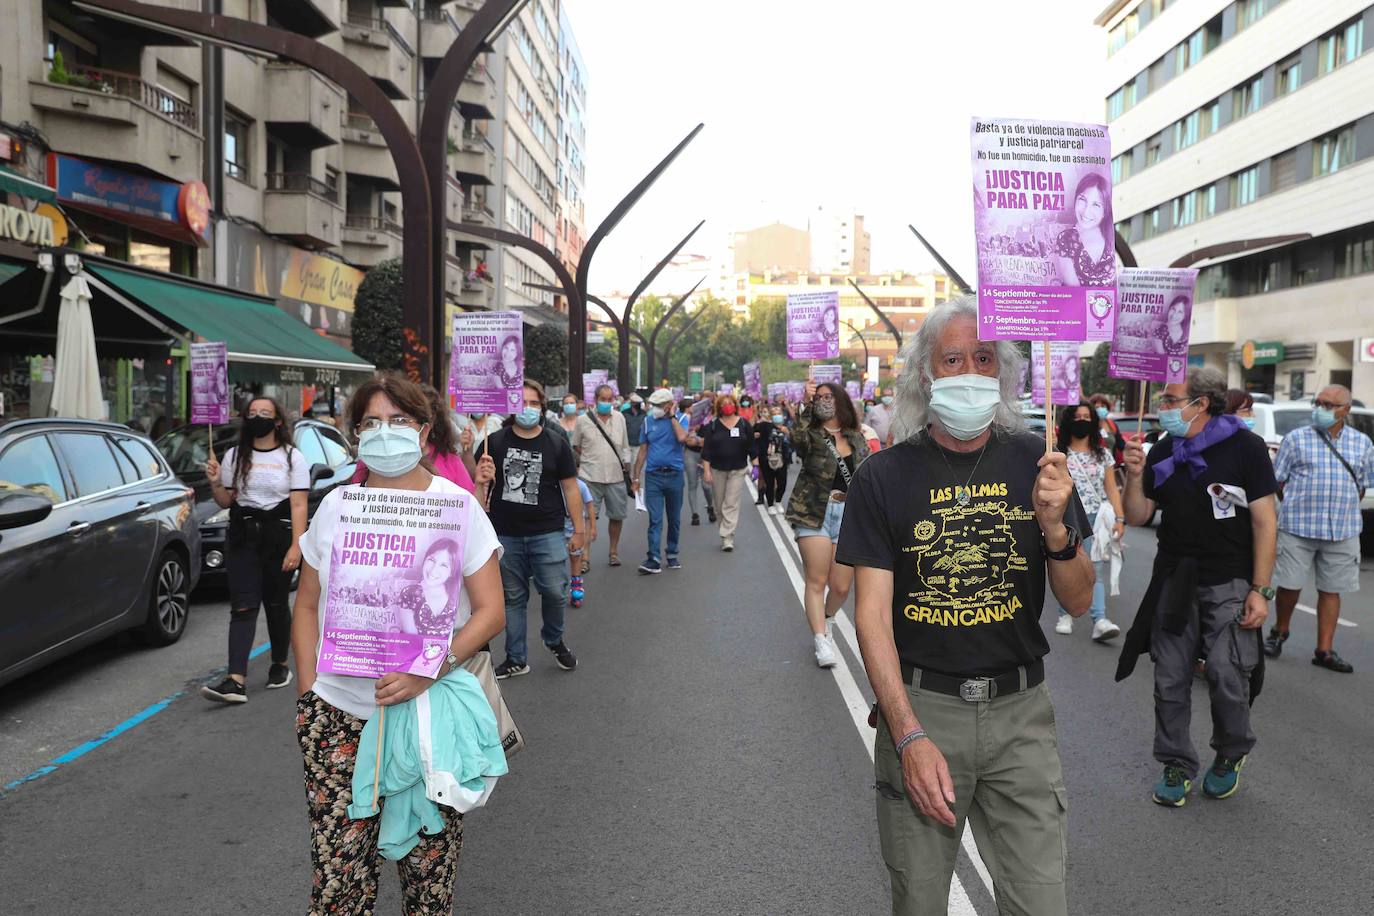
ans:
x=1323 y=418
x=390 y=452
x=570 y=410
x=777 y=418
x=887 y=400
x=528 y=418
x=625 y=408
x=1102 y=413
x=603 y=407
x=965 y=404
x=1248 y=421
x=1172 y=422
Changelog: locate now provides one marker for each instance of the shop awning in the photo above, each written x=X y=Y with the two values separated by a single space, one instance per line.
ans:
x=253 y=329
x=9 y=271
x=15 y=183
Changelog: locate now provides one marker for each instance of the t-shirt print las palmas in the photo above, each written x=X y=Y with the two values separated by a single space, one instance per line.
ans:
x=967 y=561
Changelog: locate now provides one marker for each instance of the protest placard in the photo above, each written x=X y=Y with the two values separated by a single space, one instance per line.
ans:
x=1152 y=328
x=796 y=391
x=827 y=373
x=851 y=388
x=487 y=364
x=813 y=325
x=1063 y=373
x=209 y=383
x=753 y=380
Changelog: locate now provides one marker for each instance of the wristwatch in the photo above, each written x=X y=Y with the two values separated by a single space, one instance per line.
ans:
x=1266 y=591
x=453 y=663
x=1070 y=549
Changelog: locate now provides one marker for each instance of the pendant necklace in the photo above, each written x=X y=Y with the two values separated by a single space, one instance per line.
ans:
x=961 y=496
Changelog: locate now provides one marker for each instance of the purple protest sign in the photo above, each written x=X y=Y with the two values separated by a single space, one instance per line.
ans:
x=753 y=380
x=726 y=388
x=777 y=391
x=487 y=365
x=209 y=383
x=827 y=373
x=813 y=325
x=395 y=572
x=851 y=388
x=1042 y=214
x=870 y=388
x=615 y=386
x=796 y=392
x=1063 y=373
x=590 y=382
x=1151 y=339
x=678 y=392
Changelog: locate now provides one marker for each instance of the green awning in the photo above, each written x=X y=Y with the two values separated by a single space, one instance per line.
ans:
x=253 y=329
x=25 y=187
x=9 y=271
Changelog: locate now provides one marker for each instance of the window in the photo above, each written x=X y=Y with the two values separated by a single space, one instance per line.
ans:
x=141 y=456
x=335 y=451
x=1122 y=167
x=236 y=134
x=1248 y=12
x=1284 y=171
x=1333 y=152
x=1245 y=186
x=309 y=444
x=1197 y=46
x=1152 y=149
x=1356 y=257
x=1195 y=205
x=1210 y=120
x=29 y=464
x=1152 y=222
x=1290 y=77
x=1341 y=46
x=1186 y=131
x=1120 y=101
x=90 y=461
x=174 y=94
x=1247 y=98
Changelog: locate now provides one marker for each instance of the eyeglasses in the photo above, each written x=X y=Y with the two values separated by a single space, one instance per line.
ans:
x=254 y=414
x=824 y=397
x=1328 y=405
x=372 y=424
x=1169 y=402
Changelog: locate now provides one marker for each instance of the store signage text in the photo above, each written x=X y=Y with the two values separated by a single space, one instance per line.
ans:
x=323 y=281
x=23 y=226
x=1264 y=353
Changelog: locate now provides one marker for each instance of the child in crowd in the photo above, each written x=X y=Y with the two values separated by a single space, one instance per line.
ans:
x=577 y=589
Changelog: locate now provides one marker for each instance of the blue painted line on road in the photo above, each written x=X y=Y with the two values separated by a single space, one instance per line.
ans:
x=82 y=750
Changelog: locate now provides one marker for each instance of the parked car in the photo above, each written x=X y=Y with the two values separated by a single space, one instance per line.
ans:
x=97 y=535
x=332 y=462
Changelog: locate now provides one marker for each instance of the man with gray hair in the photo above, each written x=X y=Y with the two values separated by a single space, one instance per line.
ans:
x=951 y=532
x=1210 y=589
x=1323 y=471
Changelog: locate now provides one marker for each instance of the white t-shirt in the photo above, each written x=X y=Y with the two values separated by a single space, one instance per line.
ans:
x=357 y=695
x=271 y=478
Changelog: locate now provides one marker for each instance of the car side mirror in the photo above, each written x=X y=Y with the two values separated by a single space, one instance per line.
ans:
x=21 y=508
x=320 y=472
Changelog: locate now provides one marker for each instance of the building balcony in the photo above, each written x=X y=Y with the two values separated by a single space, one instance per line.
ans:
x=302 y=108
x=479 y=214
x=382 y=52
x=474 y=294
x=453 y=201
x=366 y=153
x=369 y=240
x=311 y=18
x=438 y=30
x=302 y=208
x=474 y=160
x=477 y=94
x=118 y=116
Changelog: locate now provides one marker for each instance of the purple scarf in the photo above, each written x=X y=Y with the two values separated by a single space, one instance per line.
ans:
x=1189 y=451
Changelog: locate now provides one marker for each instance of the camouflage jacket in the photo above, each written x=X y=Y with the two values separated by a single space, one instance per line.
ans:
x=811 y=492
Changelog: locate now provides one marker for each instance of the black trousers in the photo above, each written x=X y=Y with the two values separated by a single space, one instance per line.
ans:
x=256 y=580
x=772 y=483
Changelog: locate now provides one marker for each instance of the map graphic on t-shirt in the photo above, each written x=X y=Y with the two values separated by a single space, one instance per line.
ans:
x=522 y=470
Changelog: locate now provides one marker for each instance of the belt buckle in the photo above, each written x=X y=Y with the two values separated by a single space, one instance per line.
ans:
x=977 y=690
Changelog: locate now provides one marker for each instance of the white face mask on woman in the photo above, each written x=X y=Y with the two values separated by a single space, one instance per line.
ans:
x=388 y=451
x=965 y=404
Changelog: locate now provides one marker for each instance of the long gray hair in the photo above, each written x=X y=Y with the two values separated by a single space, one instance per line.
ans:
x=912 y=403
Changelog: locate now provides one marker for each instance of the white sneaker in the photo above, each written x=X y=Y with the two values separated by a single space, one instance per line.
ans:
x=1064 y=625
x=825 y=652
x=830 y=629
x=1104 y=630
x=727 y=544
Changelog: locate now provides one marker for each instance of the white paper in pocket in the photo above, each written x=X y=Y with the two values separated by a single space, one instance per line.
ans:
x=639 y=501
x=1225 y=498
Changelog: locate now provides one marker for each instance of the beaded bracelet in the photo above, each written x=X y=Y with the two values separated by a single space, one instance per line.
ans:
x=908 y=738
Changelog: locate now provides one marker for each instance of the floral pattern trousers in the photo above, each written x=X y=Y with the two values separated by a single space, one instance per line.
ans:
x=343 y=851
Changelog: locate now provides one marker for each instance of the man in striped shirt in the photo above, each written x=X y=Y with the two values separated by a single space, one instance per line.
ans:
x=1324 y=470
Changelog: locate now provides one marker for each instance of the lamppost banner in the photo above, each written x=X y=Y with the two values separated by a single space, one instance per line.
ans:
x=209 y=383
x=1156 y=311
x=1042 y=216
x=487 y=365
x=813 y=325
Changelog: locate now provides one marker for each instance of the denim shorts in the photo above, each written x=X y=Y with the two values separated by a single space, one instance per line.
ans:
x=830 y=526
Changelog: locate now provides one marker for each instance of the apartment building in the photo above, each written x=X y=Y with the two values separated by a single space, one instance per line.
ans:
x=839 y=242
x=1242 y=120
x=570 y=213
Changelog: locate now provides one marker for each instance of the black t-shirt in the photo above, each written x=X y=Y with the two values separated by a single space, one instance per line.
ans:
x=843 y=467
x=727 y=449
x=527 y=494
x=1224 y=547
x=968 y=580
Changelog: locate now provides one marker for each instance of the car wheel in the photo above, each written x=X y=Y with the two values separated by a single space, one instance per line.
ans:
x=169 y=602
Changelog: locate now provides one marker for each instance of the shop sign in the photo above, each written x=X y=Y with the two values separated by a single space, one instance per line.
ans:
x=1367 y=350
x=105 y=188
x=193 y=206
x=317 y=290
x=320 y=280
x=1263 y=353
x=26 y=227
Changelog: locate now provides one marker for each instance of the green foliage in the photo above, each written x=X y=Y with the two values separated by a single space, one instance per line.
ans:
x=602 y=356
x=546 y=354
x=377 y=315
x=58 y=72
x=1095 y=378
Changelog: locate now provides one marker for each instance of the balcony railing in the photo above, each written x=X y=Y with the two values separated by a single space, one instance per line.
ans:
x=359 y=121
x=439 y=14
x=372 y=224
x=129 y=86
x=364 y=21
x=301 y=183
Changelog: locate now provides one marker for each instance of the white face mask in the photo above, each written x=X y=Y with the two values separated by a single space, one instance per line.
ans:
x=658 y=413
x=965 y=404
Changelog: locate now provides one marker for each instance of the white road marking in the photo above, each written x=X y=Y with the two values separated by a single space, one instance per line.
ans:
x=959 y=902
x=1340 y=620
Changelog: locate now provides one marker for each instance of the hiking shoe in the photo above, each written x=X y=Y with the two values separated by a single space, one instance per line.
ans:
x=650 y=567
x=1273 y=643
x=826 y=656
x=509 y=668
x=563 y=655
x=674 y=563
x=1332 y=662
x=278 y=676
x=1104 y=630
x=226 y=691
x=1172 y=788
x=696 y=519
x=1064 y=625
x=1223 y=778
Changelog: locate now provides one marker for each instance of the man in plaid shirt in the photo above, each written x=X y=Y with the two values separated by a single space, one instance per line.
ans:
x=1319 y=519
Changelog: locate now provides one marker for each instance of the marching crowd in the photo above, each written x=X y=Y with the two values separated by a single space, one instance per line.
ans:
x=931 y=503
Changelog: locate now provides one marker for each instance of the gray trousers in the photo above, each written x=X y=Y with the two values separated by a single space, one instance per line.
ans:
x=1232 y=653
x=696 y=486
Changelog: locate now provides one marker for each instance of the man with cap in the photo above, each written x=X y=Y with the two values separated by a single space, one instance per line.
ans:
x=659 y=470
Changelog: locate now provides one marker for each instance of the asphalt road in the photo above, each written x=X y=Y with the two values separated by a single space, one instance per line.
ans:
x=697 y=762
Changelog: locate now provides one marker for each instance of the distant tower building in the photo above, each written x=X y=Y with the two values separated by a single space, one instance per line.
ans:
x=839 y=243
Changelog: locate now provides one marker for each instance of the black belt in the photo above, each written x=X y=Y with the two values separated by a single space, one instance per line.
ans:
x=977 y=689
x=664 y=471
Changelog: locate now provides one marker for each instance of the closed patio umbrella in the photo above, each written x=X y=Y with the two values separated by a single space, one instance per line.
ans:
x=76 y=378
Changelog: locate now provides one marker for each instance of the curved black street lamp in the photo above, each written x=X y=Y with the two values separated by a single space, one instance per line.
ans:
x=896 y=334
x=662 y=323
x=862 y=340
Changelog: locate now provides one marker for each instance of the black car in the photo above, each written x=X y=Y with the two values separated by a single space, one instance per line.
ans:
x=331 y=463
x=97 y=535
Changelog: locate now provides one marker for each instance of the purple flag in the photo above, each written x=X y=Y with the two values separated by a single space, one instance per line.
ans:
x=1151 y=339
x=487 y=365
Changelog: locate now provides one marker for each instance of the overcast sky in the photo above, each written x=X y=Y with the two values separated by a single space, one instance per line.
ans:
x=869 y=112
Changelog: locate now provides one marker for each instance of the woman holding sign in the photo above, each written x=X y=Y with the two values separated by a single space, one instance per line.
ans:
x=391 y=418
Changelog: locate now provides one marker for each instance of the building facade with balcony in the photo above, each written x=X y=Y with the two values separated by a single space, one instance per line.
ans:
x=570 y=213
x=1243 y=121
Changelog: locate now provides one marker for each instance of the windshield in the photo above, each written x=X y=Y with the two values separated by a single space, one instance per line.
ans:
x=185 y=448
x=1285 y=421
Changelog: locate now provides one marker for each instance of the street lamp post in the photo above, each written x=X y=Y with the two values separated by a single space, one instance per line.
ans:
x=623 y=368
x=662 y=323
x=668 y=347
x=861 y=340
x=896 y=334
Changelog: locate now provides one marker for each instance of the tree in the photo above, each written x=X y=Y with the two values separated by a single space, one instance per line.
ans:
x=377 y=324
x=546 y=354
x=601 y=356
x=1095 y=377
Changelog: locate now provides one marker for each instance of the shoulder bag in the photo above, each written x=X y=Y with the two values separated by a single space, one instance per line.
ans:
x=625 y=471
x=1326 y=440
x=479 y=666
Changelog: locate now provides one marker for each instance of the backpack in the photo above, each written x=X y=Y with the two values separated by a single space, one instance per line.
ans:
x=775 y=452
